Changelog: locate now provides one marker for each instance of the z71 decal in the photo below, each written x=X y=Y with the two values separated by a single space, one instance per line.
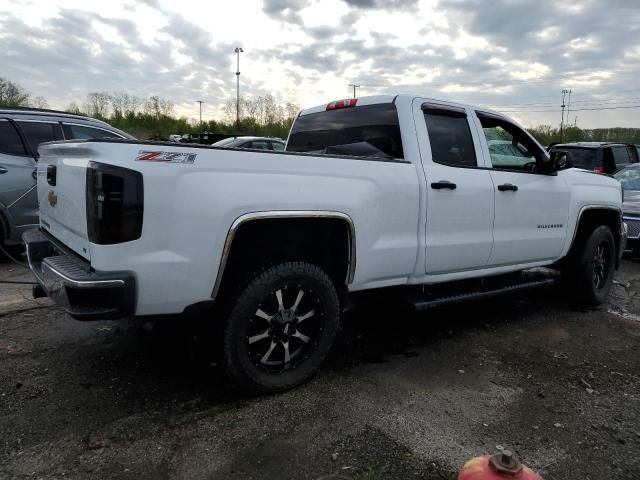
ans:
x=167 y=157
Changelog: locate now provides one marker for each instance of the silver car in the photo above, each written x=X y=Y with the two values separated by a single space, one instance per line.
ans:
x=21 y=131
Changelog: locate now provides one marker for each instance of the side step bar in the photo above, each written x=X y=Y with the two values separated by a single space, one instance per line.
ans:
x=427 y=302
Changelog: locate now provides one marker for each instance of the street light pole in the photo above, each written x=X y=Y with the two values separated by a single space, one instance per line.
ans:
x=564 y=92
x=238 y=51
x=354 y=88
x=200 y=102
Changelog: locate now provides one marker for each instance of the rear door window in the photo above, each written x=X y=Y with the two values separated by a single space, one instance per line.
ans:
x=81 y=132
x=10 y=142
x=36 y=133
x=278 y=146
x=450 y=137
x=369 y=131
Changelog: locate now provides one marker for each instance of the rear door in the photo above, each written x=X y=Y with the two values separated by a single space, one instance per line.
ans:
x=460 y=197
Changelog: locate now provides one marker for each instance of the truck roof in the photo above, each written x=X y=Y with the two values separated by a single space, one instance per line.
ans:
x=588 y=144
x=375 y=99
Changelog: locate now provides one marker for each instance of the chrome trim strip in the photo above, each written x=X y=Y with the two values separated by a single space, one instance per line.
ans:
x=81 y=283
x=286 y=214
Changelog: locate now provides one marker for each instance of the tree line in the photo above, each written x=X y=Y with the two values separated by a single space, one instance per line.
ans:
x=546 y=134
x=154 y=117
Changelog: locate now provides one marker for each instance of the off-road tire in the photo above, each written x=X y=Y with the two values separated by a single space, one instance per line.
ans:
x=240 y=361
x=581 y=275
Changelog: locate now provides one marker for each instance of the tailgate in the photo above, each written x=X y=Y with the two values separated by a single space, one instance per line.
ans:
x=62 y=173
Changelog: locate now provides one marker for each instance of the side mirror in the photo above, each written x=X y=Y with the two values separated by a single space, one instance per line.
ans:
x=560 y=160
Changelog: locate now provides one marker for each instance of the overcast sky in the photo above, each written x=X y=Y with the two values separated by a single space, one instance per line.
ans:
x=515 y=56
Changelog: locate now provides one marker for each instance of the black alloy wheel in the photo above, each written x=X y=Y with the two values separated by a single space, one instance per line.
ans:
x=280 y=328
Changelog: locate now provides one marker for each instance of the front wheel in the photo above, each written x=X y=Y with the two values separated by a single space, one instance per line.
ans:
x=591 y=274
x=281 y=327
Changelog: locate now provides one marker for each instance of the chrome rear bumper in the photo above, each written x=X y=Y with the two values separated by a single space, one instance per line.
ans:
x=68 y=280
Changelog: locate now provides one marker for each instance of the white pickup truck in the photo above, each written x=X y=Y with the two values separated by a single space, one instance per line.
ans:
x=400 y=193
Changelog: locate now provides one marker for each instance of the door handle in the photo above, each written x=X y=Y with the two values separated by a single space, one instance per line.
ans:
x=442 y=184
x=3 y=170
x=507 y=187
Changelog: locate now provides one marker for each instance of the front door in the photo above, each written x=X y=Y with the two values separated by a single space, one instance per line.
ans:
x=459 y=227
x=531 y=208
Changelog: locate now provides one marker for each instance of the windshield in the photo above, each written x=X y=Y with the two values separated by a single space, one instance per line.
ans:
x=367 y=131
x=629 y=178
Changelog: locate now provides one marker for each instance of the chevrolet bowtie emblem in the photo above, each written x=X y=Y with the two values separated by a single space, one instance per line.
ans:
x=53 y=199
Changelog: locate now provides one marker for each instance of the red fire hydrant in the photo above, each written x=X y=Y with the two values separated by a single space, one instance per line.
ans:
x=497 y=467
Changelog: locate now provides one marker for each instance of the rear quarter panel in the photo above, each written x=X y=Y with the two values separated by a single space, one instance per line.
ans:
x=189 y=209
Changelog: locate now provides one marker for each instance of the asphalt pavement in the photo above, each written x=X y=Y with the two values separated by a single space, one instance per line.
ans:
x=402 y=395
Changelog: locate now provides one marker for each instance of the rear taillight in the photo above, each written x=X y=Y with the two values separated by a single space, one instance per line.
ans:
x=349 y=102
x=599 y=169
x=115 y=201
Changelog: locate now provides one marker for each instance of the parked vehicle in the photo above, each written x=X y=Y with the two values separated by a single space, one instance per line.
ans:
x=629 y=177
x=175 y=138
x=389 y=193
x=599 y=156
x=204 y=138
x=255 y=143
x=21 y=131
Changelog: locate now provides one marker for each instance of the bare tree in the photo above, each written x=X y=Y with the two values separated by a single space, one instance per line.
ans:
x=97 y=104
x=158 y=107
x=117 y=100
x=39 y=102
x=292 y=109
x=73 y=108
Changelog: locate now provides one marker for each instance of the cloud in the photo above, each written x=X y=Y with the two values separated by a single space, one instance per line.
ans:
x=384 y=4
x=502 y=52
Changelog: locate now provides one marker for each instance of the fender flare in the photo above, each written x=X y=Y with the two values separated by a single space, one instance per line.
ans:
x=271 y=214
x=587 y=208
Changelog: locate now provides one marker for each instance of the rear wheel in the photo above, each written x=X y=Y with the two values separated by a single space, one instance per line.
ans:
x=591 y=273
x=281 y=327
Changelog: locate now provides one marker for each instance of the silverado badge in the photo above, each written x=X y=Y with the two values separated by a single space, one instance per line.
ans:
x=53 y=198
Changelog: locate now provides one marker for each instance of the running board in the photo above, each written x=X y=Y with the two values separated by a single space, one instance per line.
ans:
x=428 y=302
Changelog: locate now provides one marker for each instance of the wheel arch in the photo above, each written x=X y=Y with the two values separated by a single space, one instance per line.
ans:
x=589 y=218
x=260 y=218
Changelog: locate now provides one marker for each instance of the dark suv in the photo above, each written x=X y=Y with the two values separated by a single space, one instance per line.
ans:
x=21 y=131
x=600 y=156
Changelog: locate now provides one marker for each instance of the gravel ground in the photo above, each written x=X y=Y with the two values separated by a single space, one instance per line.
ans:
x=402 y=396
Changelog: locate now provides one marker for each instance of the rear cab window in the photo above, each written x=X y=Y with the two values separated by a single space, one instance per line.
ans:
x=369 y=131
